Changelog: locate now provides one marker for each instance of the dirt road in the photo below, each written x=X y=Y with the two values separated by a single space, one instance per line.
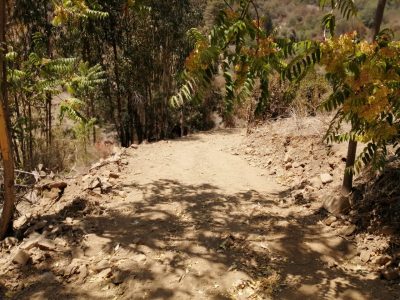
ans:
x=198 y=222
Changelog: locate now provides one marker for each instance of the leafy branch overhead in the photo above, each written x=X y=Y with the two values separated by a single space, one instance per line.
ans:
x=74 y=9
x=364 y=75
x=240 y=49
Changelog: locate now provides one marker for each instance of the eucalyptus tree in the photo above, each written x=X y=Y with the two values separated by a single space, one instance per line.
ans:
x=7 y=213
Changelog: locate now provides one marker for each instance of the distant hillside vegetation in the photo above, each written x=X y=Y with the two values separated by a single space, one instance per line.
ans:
x=302 y=18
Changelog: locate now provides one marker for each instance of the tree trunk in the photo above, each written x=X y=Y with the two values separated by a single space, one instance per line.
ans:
x=380 y=9
x=348 y=175
x=352 y=148
x=7 y=214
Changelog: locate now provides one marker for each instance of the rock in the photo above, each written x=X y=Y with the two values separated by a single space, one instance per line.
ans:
x=288 y=166
x=326 y=178
x=124 y=162
x=117 y=277
x=55 y=185
x=296 y=165
x=95 y=183
x=248 y=150
x=103 y=264
x=382 y=260
x=330 y=261
x=122 y=194
x=114 y=175
x=31 y=242
x=105 y=187
x=83 y=273
x=287 y=158
x=315 y=182
x=365 y=256
x=52 y=194
x=106 y=273
x=337 y=204
x=73 y=267
x=328 y=221
x=139 y=257
x=134 y=146
x=391 y=274
x=348 y=230
x=46 y=244
x=21 y=257
x=10 y=242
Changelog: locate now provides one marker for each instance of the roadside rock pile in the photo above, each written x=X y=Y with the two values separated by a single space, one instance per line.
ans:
x=293 y=152
x=52 y=228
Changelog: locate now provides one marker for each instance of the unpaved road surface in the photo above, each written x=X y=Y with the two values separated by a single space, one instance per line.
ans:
x=199 y=223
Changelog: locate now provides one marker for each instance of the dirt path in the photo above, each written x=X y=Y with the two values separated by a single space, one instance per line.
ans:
x=199 y=223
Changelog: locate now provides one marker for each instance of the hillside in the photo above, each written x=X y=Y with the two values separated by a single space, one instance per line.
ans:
x=302 y=18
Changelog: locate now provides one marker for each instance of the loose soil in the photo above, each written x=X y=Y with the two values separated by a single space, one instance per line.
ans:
x=187 y=219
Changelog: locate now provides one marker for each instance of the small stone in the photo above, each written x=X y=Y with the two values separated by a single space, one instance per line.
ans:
x=382 y=260
x=365 y=256
x=73 y=267
x=348 y=230
x=46 y=244
x=315 y=182
x=288 y=166
x=31 y=242
x=296 y=165
x=95 y=183
x=83 y=273
x=114 y=175
x=134 y=146
x=106 y=187
x=328 y=221
x=122 y=194
x=104 y=264
x=287 y=158
x=106 y=273
x=326 y=178
x=117 y=277
x=21 y=258
x=139 y=257
x=10 y=241
x=248 y=150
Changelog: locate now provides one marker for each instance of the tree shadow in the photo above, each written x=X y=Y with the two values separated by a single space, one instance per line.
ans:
x=178 y=241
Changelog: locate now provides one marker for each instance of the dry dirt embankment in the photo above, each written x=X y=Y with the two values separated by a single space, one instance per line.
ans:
x=188 y=219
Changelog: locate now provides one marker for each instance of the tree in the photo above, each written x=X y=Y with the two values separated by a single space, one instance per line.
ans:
x=352 y=147
x=5 y=138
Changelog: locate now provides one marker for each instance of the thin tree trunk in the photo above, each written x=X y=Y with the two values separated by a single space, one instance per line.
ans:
x=380 y=9
x=348 y=175
x=352 y=148
x=119 y=100
x=6 y=221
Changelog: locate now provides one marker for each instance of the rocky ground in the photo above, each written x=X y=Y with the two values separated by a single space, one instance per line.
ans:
x=219 y=215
